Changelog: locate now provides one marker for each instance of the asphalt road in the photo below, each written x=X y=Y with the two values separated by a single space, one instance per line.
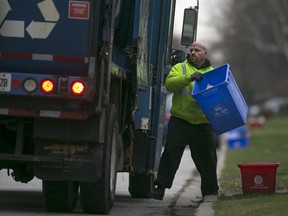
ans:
x=17 y=199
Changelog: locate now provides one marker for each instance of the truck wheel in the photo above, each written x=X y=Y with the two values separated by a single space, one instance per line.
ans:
x=140 y=185
x=60 y=196
x=99 y=197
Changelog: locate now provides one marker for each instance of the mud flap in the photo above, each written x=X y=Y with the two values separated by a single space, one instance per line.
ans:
x=81 y=161
x=140 y=151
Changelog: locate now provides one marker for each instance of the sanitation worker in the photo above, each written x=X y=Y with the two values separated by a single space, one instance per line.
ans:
x=188 y=126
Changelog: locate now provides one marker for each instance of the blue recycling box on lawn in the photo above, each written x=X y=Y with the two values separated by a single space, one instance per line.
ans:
x=220 y=99
x=238 y=138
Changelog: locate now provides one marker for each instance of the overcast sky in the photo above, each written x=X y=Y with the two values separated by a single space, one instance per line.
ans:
x=206 y=30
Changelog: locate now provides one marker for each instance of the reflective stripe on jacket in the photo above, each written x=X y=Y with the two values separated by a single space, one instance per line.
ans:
x=184 y=106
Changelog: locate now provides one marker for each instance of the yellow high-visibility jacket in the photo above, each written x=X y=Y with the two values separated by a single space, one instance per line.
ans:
x=178 y=82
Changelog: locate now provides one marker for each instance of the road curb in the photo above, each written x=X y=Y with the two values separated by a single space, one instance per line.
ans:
x=206 y=208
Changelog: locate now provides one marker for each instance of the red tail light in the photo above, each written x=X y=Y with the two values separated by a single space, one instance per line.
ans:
x=77 y=88
x=16 y=84
x=47 y=86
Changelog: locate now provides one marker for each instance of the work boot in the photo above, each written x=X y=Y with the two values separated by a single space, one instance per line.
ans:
x=158 y=193
x=210 y=198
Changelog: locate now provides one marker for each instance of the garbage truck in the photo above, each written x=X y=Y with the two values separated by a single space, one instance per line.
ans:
x=82 y=95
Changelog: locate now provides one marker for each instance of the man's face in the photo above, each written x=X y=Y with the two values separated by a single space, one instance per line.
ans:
x=197 y=55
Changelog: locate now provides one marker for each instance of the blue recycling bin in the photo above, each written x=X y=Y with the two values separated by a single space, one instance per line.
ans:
x=220 y=99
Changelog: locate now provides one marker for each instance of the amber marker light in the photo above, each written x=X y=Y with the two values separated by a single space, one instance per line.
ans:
x=77 y=88
x=47 y=86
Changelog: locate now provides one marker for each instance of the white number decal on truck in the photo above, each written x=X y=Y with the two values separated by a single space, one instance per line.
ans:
x=5 y=82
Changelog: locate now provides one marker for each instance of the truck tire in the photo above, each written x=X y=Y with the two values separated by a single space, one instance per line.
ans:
x=98 y=198
x=60 y=196
x=140 y=185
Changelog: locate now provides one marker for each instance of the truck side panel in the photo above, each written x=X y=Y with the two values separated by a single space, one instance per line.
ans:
x=47 y=36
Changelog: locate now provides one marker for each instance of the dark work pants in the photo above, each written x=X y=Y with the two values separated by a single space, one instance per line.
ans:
x=200 y=139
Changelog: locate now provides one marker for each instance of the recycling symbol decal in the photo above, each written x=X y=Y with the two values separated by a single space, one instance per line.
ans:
x=36 y=29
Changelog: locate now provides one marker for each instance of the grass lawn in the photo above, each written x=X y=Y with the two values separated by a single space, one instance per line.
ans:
x=267 y=144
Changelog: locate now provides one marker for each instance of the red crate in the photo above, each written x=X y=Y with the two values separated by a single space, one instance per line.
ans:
x=258 y=177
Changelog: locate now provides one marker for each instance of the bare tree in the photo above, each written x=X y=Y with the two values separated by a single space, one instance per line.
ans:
x=255 y=43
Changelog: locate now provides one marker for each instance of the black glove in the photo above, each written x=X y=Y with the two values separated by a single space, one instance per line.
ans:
x=196 y=76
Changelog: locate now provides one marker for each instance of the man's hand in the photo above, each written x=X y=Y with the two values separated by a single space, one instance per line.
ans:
x=196 y=76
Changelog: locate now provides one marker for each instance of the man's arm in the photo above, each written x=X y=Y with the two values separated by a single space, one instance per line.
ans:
x=176 y=80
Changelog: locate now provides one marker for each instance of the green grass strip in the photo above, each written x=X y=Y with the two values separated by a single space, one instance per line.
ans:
x=267 y=144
